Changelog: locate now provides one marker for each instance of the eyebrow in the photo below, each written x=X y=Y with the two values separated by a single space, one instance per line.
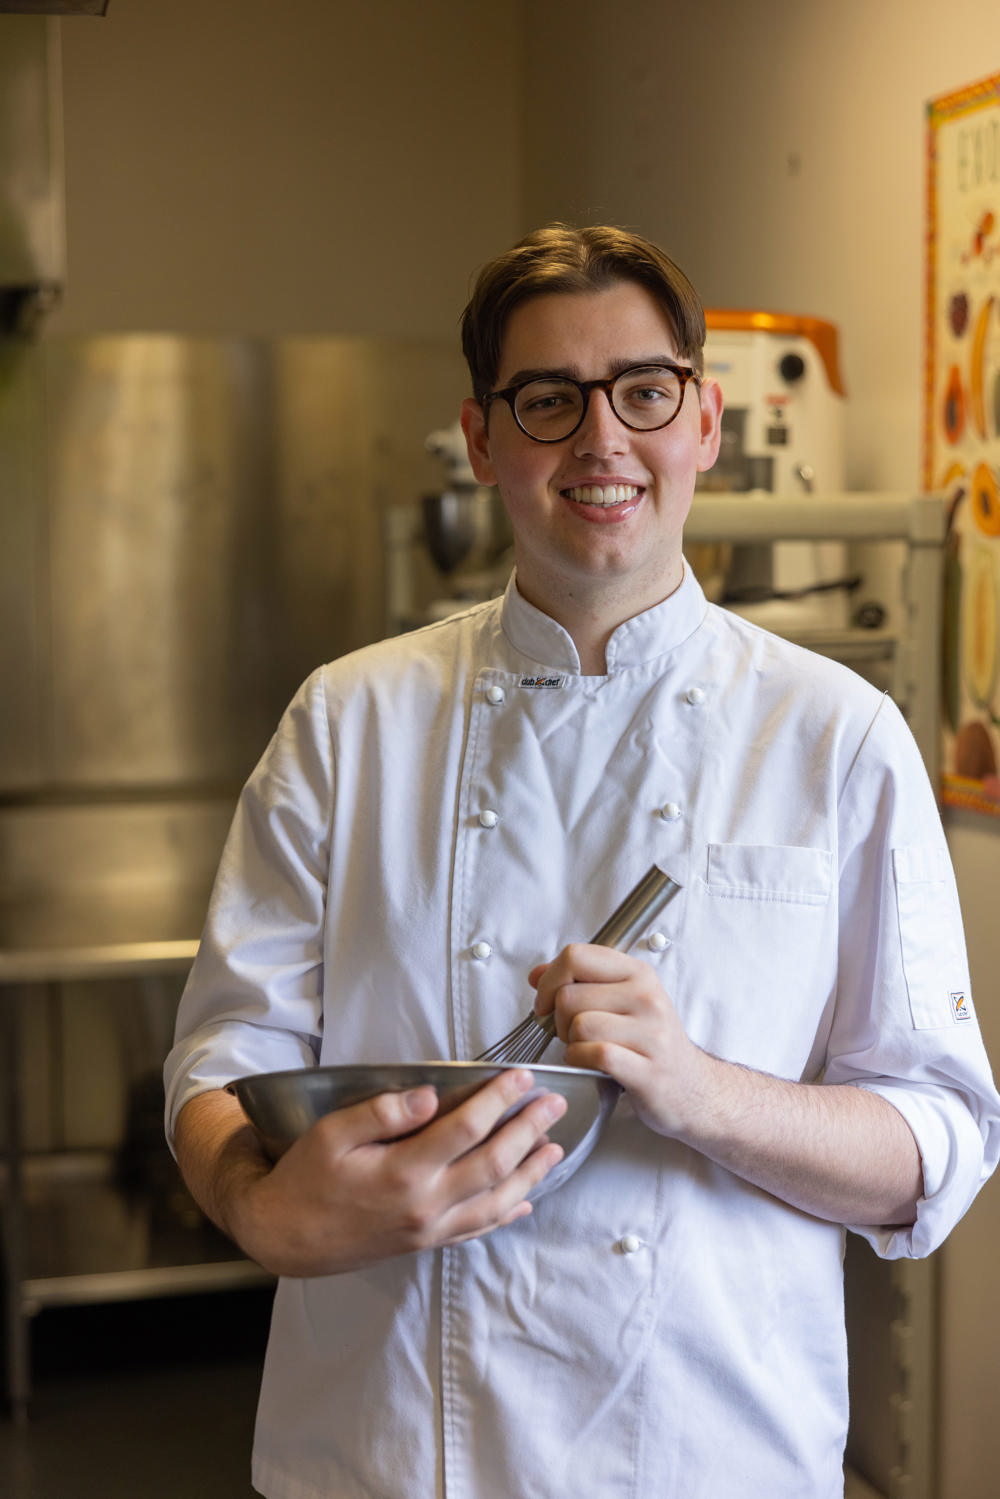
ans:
x=573 y=371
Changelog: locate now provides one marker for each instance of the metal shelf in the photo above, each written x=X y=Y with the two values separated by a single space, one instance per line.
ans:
x=892 y=1306
x=917 y=523
x=876 y=515
x=74 y=1230
x=88 y=1237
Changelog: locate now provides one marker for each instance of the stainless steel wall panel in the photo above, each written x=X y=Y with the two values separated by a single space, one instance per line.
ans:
x=214 y=522
x=162 y=556
x=325 y=522
x=188 y=528
x=352 y=417
x=23 y=574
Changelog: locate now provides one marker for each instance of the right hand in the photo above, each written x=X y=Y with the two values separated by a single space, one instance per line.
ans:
x=385 y=1177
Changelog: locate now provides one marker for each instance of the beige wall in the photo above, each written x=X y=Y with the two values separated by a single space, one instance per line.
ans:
x=776 y=148
x=286 y=166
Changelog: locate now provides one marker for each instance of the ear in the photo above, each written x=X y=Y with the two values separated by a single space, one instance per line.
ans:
x=711 y=424
x=477 y=441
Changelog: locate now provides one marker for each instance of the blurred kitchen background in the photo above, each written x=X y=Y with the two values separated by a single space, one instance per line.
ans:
x=235 y=241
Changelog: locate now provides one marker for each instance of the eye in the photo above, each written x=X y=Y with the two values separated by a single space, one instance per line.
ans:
x=641 y=392
x=538 y=403
x=546 y=395
x=654 y=384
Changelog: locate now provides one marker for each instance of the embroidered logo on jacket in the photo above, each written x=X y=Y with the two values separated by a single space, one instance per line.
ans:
x=541 y=681
x=960 y=1006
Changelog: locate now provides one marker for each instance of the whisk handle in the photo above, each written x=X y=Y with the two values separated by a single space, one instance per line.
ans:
x=648 y=898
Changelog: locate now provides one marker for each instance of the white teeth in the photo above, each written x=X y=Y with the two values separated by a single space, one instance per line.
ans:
x=608 y=494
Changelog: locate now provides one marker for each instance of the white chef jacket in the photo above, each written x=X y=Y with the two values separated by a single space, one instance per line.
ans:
x=657 y=1327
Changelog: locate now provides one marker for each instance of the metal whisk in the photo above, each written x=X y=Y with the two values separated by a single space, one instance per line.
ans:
x=527 y=1041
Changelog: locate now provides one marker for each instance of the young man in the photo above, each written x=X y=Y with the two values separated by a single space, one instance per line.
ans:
x=669 y=1322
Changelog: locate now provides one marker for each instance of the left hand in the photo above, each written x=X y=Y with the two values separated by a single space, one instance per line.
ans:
x=614 y=1015
x=839 y=1152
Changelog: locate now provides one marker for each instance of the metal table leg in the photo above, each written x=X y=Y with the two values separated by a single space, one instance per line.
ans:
x=13 y=1218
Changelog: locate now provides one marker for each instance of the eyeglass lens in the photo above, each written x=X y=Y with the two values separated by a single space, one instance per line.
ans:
x=644 y=399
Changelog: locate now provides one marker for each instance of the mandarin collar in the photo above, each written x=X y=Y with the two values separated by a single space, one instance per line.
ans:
x=633 y=643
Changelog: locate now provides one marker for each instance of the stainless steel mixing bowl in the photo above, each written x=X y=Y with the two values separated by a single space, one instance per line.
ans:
x=282 y=1105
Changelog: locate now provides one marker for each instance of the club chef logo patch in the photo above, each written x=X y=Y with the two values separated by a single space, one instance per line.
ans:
x=959 y=1006
x=541 y=681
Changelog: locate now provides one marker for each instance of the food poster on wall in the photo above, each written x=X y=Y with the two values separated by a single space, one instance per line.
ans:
x=962 y=426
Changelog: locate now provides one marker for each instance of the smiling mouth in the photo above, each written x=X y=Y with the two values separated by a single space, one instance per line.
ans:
x=603 y=495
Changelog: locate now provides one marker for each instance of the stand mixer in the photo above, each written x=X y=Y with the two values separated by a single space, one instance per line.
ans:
x=453 y=549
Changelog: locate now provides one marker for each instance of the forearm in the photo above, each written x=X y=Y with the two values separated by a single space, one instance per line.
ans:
x=219 y=1155
x=838 y=1152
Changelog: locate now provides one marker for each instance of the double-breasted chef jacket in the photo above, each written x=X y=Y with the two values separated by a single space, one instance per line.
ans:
x=439 y=812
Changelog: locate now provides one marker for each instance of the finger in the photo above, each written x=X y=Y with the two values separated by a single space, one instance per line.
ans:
x=586 y=963
x=496 y=1143
x=642 y=1026
x=509 y=1146
x=622 y=1062
x=582 y=963
x=616 y=1000
x=639 y=993
x=466 y=1125
x=387 y=1116
x=503 y=1168
x=573 y=1000
x=505 y=1203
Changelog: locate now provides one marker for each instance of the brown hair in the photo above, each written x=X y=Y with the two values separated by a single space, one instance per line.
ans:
x=560 y=258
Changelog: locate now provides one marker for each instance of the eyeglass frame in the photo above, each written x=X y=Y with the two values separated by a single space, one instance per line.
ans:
x=511 y=392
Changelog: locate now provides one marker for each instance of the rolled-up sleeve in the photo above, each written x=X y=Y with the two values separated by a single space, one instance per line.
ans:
x=905 y=1025
x=253 y=1001
x=957 y=1135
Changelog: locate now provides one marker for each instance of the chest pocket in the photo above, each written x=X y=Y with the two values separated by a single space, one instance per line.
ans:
x=769 y=872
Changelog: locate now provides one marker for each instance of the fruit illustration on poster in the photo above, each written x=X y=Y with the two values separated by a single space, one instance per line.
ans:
x=962 y=427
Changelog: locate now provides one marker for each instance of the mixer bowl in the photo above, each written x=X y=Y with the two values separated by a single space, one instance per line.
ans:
x=282 y=1105
x=465 y=526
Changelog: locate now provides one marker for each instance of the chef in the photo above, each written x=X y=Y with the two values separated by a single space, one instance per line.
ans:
x=435 y=819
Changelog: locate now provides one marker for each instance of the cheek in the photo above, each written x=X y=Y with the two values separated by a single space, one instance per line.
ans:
x=681 y=456
x=521 y=477
x=520 y=507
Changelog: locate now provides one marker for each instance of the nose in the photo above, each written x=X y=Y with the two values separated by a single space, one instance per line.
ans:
x=601 y=434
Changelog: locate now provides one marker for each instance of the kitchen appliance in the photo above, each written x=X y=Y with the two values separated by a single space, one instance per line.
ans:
x=453 y=549
x=465 y=525
x=782 y=433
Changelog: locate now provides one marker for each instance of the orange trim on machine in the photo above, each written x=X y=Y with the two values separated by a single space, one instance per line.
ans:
x=820 y=333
